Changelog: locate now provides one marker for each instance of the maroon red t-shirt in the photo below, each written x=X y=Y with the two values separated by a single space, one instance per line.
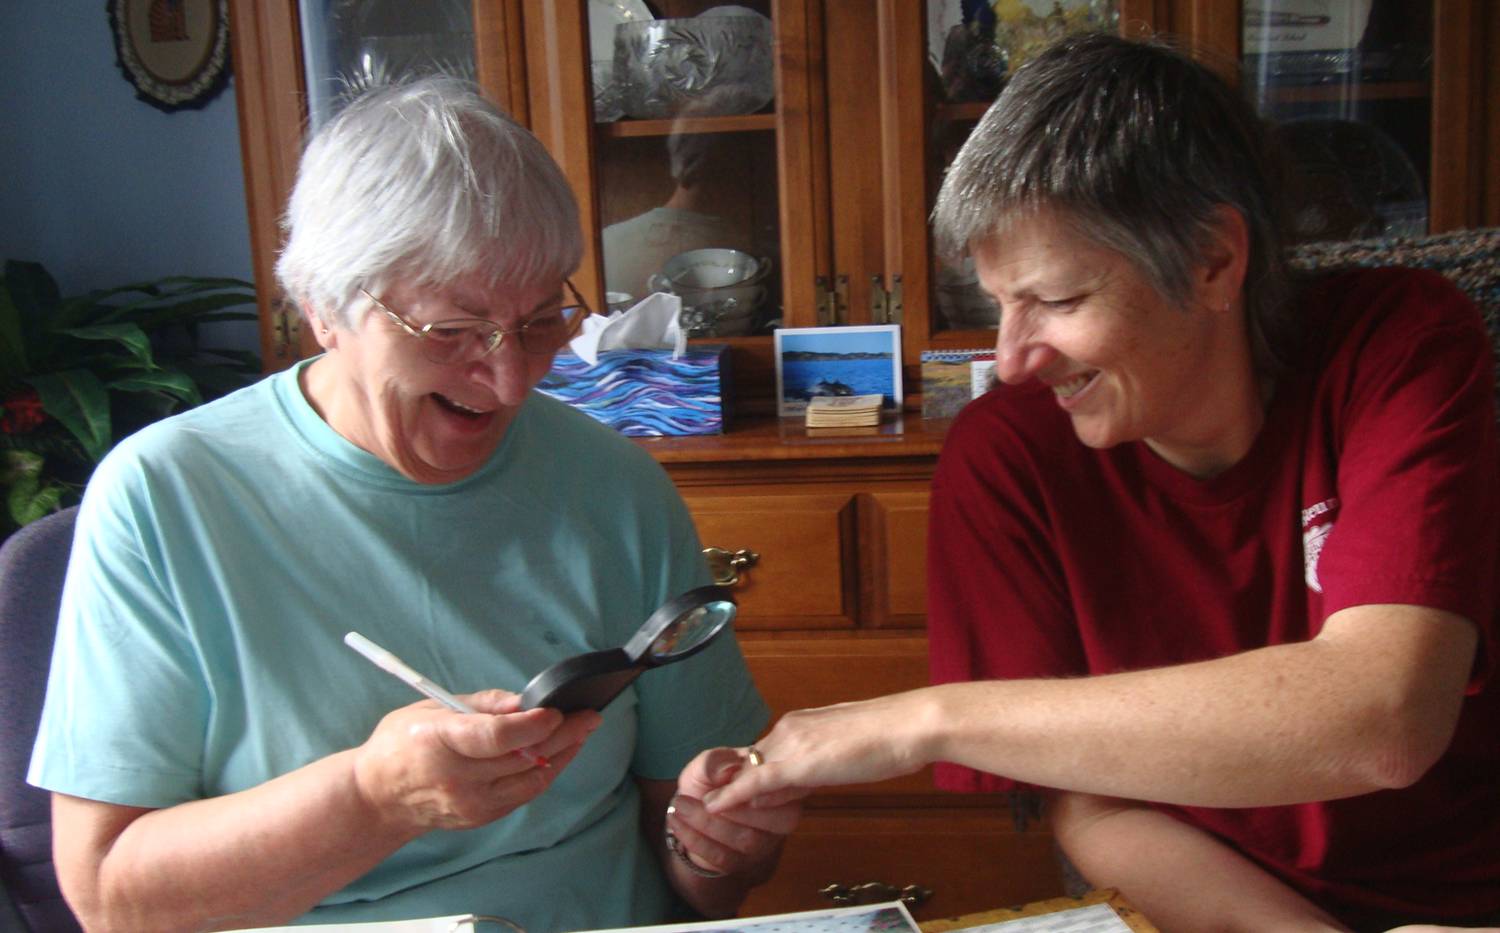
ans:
x=1376 y=479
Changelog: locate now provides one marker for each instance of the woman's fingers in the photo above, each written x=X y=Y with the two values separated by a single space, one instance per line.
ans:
x=712 y=768
x=847 y=743
x=724 y=844
x=436 y=768
x=543 y=731
x=493 y=701
x=766 y=786
x=777 y=820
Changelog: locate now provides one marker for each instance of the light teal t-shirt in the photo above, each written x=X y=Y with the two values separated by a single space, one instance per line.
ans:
x=221 y=555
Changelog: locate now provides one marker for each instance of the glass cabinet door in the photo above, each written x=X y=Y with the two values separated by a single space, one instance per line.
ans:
x=684 y=115
x=348 y=45
x=971 y=48
x=1349 y=85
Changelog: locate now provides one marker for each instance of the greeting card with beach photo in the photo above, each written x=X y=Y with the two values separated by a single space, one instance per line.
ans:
x=819 y=362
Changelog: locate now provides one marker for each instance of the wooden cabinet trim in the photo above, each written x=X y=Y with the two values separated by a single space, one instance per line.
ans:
x=787 y=439
x=500 y=56
x=1455 y=176
x=799 y=109
x=561 y=107
x=893 y=557
x=271 y=101
x=903 y=160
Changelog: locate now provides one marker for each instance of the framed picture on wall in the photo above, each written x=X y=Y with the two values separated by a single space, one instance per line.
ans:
x=175 y=52
x=835 y=361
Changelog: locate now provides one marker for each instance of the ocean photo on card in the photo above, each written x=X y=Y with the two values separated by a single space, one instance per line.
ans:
x=814 y=362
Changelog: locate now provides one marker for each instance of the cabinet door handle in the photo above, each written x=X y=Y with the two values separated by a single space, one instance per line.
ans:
x=727 y=565
x=875 y=892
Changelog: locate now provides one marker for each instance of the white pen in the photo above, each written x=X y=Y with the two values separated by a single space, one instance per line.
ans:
x=391 y=664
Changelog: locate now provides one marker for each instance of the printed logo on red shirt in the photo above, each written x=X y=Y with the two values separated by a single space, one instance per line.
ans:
x=1317 y=523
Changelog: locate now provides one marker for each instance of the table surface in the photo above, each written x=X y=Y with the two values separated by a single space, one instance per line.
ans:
x=1129 y=915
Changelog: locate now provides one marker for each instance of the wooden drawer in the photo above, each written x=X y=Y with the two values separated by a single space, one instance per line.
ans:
x=804 y=573
x=970 y=859
x=823 y=560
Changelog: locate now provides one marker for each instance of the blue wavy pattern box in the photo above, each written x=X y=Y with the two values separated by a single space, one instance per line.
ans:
x=646 y=393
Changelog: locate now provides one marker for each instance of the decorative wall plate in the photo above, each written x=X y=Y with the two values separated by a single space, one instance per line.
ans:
x=175 y=52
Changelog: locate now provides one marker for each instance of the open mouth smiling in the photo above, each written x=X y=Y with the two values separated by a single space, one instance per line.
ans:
x=458 y=408
x=1071 y=387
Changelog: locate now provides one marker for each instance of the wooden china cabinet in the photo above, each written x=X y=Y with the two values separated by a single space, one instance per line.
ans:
x=833 y=181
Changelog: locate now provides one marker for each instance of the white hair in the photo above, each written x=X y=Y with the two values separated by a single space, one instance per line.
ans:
x=425 y=182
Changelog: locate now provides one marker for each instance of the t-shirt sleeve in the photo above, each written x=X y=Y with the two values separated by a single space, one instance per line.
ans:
x=702 y=701
x=997 y=604
x=1417 y=484
x=125 y=711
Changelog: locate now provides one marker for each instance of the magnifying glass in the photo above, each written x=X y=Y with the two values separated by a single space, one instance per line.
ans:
x=680 y=629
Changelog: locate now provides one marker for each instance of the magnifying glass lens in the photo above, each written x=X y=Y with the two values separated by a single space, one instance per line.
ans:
x=691 y=629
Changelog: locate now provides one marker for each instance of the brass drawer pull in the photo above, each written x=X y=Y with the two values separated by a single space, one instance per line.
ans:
x=727 y=565
x=875 y=892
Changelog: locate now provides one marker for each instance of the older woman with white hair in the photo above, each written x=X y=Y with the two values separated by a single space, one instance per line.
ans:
x=220 y=759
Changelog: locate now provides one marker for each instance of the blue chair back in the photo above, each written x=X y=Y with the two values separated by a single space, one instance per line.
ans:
x=33 y=561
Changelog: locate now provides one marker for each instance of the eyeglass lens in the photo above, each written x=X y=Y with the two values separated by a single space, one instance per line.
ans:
x=454 y=341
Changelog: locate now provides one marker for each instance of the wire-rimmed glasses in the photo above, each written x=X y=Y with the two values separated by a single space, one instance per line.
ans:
x=466 y=339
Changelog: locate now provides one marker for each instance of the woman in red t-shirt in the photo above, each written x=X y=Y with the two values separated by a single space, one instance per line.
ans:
x=1215 y=569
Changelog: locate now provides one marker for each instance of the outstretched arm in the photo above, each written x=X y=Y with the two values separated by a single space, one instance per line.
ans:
x=1370 y=703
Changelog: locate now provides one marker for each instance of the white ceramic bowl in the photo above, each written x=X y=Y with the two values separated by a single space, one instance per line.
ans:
x=708 y=268
x=721 y=289
x=722 y=312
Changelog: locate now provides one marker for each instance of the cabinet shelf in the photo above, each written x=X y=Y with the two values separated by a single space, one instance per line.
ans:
x=622 y=129
x=1387 y=90
x=963 y=339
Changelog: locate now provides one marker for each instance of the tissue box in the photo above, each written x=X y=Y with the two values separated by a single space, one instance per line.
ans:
x=646 y=393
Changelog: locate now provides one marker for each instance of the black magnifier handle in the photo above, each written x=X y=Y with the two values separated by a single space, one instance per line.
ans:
x=585 y=681
x=679 y=629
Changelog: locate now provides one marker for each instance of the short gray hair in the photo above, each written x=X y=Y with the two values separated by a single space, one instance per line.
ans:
x=427 y=182
x=1137 y=146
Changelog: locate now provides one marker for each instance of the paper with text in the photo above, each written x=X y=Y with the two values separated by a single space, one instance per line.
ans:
x=1098 y=918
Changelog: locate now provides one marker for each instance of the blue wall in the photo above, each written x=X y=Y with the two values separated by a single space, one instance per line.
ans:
x=100 y=187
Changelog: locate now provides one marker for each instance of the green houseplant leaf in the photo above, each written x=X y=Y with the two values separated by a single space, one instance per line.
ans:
x=79 y=373
x=128 y=335
x=79 y=400
x=29 y=495
x=177 y=384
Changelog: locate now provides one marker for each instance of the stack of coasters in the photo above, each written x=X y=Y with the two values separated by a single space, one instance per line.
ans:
x=843 y=411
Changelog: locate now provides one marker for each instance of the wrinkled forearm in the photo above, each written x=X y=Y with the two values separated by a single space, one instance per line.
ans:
x=256 y=858
x=1369 y=705
x=1184 y=880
